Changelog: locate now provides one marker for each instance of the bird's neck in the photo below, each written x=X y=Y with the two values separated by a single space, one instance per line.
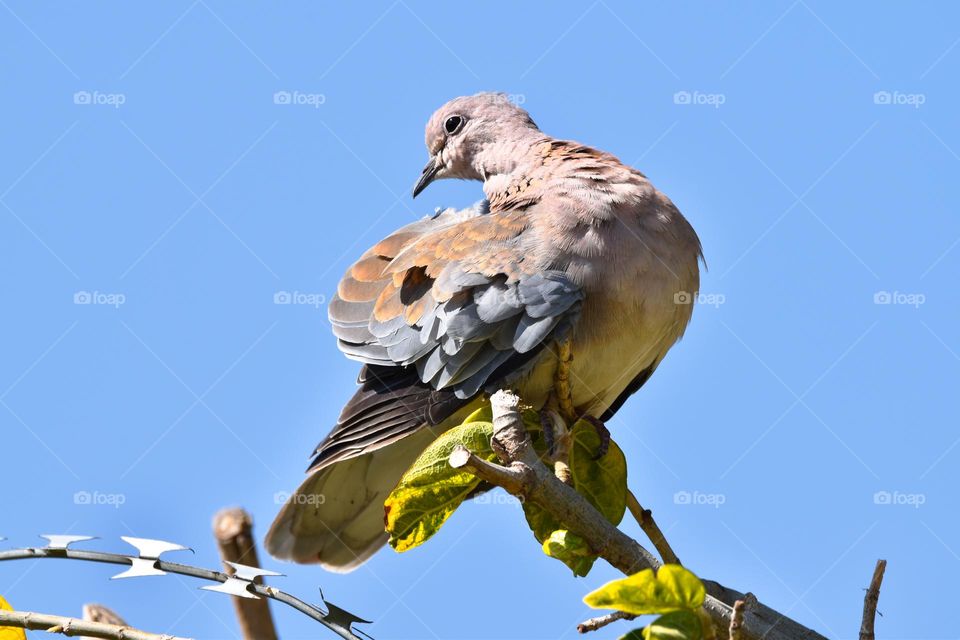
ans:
x=516 y=174
x=508 y=157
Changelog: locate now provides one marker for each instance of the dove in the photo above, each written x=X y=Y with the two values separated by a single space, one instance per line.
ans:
x=568 y=247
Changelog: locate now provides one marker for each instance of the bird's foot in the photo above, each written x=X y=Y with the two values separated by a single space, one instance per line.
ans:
x=602 y=431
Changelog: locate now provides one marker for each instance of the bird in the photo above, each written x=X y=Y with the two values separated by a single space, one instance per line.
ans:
x=569 y=246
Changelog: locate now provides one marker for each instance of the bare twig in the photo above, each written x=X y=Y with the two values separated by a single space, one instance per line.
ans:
x=233 y=529
x=644 y=518
x=510 y=479
x=870 y=601
x=601 y=621
x=532 y=480
x=74 y=627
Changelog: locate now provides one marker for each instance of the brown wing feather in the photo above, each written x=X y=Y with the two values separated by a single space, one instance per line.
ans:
x=438 y=311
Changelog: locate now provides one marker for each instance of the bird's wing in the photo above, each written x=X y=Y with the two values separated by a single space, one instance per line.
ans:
x=440 y=311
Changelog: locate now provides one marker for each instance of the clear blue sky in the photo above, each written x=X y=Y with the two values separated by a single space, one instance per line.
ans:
x=180 y=193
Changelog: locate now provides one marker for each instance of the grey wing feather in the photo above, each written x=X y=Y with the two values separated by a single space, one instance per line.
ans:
x=457 y=344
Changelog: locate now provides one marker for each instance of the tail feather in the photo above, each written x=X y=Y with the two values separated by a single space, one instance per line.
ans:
x=335 y=518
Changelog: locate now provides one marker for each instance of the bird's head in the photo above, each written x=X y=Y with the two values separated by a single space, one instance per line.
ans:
x=467 y=136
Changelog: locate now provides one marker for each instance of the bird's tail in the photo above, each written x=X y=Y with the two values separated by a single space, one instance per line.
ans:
x=335 y=518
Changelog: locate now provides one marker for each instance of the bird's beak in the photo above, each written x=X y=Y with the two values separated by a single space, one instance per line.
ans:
x=429 y=173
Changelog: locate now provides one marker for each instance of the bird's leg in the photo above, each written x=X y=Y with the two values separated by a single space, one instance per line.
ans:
x=602 y=431
x=561 y=383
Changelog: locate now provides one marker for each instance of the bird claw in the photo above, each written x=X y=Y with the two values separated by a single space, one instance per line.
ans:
x=604 y=434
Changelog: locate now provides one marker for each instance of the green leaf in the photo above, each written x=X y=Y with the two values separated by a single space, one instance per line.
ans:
x=672 y=588
x=572 y=550
x=431 y=490
x=677 y=625
x=602 y=482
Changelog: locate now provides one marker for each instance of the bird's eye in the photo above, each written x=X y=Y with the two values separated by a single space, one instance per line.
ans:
x=453 y=125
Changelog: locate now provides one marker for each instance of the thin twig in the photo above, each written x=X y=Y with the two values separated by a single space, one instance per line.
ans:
x=644 y=518
x=233 y=529
x=601 y=621
x=510 y=479
x=870 y=602
x=74 y=627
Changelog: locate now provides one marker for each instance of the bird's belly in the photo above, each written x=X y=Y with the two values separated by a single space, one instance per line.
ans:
x=611 y=345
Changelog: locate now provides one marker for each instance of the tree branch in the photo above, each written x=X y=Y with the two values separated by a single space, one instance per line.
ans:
x=601 y=621
x=74 y=627
x=644 y=518
x=870 y=601
x=233 y=529
x=513 y=480
x=542 y=487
